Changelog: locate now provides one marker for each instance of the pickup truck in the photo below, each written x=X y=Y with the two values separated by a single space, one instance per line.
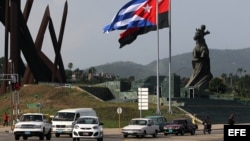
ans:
x=33 y=124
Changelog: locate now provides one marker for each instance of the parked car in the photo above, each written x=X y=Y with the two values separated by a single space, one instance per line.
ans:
x=87 y=127
x=140 y=127
x=161 y=121
x=180 y=126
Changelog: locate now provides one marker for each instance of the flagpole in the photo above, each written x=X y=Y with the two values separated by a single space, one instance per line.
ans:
x=169 y=71
x=158 y=58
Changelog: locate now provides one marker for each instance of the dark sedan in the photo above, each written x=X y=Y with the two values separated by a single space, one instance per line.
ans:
x=179 y=126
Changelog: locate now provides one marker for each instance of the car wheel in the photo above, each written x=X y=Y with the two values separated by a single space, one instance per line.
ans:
x=165 y=134
x=99 y=139
x=17 y=137
x=74 y=139
x=25 y=137
x=209 y=131
x=144 y=134
x=155 y=134
x=192 y=131
x=57 y=135
x=182 y=132
x=125 y=135
x=48 y=136
x=41 y=137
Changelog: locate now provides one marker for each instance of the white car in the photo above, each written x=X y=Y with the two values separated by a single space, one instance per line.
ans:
x=140 y=127
x=87 y=127
x=33 y=124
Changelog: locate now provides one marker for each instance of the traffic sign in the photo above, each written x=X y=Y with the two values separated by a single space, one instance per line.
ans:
x=143 y=98
x=32 y=105
x=119 y=110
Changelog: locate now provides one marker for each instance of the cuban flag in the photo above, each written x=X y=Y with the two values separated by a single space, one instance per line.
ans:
x=136 y=13
x=138 y=17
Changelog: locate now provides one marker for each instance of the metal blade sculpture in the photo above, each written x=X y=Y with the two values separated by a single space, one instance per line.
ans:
x=39 y=67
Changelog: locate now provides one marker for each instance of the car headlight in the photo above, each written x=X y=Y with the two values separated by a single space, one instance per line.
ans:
x=138 y=130
x=177 y=127
x=18 y=126
x=95 y=127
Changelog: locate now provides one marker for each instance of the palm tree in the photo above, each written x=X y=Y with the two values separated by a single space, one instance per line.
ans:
x=245 y=72
x=217 y=85
x=70 y=65
x=92 y=70
x=224 y=76
x=240 y=70
x=231 y=79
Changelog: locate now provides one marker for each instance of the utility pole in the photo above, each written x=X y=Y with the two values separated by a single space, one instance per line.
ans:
x=13 y=80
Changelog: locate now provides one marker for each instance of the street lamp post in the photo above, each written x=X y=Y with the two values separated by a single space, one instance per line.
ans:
x=13 y=81
x=11 y=95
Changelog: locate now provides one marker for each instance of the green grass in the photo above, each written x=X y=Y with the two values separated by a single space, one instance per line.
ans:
x=55 y=99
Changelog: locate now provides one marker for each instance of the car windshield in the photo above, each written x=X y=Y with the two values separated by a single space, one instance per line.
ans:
x=61 y=116
x=158 y=120
x=87 y=121
x=178 y=122
x=138 y=122
x=31 y=118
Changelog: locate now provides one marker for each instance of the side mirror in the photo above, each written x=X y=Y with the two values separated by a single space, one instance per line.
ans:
x=17 y=120
x=73 y=123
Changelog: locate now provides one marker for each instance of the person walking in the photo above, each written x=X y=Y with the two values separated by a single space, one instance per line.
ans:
x=207 y=125
x=231 y=119
x=5 y=119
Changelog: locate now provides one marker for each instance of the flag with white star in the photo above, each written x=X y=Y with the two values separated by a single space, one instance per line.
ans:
x=130 y=35
x=136 y=13
x=139 y=17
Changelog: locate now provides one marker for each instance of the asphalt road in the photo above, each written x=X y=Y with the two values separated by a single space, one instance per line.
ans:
x=115 y=135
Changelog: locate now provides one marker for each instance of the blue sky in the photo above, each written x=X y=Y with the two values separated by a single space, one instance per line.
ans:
x=85 y=44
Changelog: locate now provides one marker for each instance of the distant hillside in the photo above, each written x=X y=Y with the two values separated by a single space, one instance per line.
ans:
x=222 y=61
x=126 y=69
